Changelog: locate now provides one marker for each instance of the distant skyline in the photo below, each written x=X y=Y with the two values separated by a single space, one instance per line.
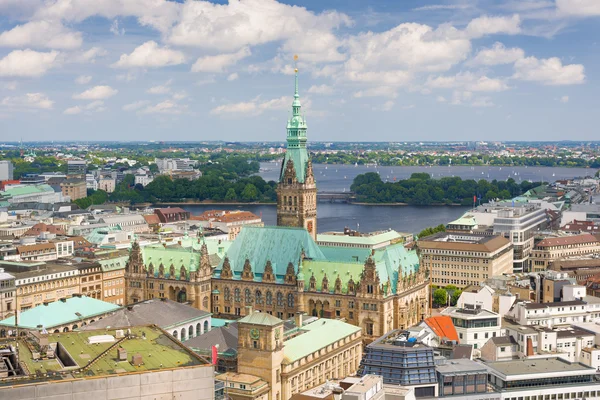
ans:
x=141 y=70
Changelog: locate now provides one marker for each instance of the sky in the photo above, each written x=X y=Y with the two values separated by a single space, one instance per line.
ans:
x=130 y=70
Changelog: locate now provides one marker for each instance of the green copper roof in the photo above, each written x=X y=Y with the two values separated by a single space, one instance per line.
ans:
x=315 y=336
x=280 y=245
x=261 y=318
x=112 y=264
x=29 y=189
x=60 y=313
x=296 y=139
x=98 y=234
x=167 y=256
x=387 y=261
x=466 y=219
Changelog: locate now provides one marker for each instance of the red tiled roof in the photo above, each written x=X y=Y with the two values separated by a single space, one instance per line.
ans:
x=41 y=227
x=581 y=226
x=152 y=219
x=171 y=210
x=568 y=240
x=442 y=326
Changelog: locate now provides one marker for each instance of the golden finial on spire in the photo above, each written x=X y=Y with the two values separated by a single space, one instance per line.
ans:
x=296 y=63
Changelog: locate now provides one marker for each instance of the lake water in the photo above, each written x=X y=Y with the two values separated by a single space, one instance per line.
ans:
x=336 y=178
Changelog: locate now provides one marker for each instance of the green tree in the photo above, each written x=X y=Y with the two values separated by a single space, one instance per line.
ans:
x=440 y=297
x=231 y=195
x=250 y=193
x=455 y=295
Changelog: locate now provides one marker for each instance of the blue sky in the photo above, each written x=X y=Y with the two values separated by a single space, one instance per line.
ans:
x=376 y=70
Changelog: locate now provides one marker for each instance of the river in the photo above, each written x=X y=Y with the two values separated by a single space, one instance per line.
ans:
x=368 y=218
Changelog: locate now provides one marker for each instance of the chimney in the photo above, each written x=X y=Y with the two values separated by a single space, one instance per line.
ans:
x=249 y=310
x=529 y=347
x=299 y=319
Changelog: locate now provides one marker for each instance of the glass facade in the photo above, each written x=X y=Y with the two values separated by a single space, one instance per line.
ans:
x=400 y=363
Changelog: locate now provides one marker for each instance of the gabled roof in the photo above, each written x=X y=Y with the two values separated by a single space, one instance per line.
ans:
x=226 y=337
x=442 y=326
x=164 y=313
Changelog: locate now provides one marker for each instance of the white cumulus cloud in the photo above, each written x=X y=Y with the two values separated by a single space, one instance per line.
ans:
x=136 y=105
x=165 y=107
x=467 y=81
x=161 y=89
x=255 y=106
x=28 y=100
x=549 y=71
x=489 y=25
x=27 y=63
x=233 y=77
x=150 y=55
x=43 y=34
x=83 y=79
x=498 y=54
x=219 y=62
x=320 y=89
x=96 y=93
x=580 y=8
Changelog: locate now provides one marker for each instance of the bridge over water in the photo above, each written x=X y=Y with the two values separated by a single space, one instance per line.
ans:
x=336 y=197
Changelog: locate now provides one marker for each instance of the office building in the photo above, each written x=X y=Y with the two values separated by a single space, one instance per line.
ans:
x=401 y=360
x=474 y=325
x=77 y=167
x=463 y=259
x=549 y=250
x=517 y=222
x=6 y=170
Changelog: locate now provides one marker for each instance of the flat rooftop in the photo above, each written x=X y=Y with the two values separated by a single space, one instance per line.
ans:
x=538 y=366
x=157 y=349
x=460 y=366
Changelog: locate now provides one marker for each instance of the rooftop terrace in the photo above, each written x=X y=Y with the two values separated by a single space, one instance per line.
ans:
x=79 y=356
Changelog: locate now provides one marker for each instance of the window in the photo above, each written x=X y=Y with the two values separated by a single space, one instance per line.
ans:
x=247 y=296
x=227 y=294
x=502 y=349
x=290 y=300
x=269 y=298
x=279 y=299
x=255 y=344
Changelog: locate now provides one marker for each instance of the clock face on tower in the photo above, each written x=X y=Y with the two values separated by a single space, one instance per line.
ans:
x=254 y=333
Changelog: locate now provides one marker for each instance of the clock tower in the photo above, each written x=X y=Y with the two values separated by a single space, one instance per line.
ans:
x=297 y=189
x=260 y=349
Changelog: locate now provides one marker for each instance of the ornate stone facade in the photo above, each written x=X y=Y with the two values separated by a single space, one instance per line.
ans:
x=367 y=303
x=297 y=189
x=191 y=283
x=282 y=271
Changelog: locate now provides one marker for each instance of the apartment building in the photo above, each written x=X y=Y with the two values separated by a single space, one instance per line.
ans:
x=474 y=325
x=556 y=313
x=113 y=279
x=39 y=282
x=551 y=249
x=107 y=183
x=90 y=279
x=463 y=259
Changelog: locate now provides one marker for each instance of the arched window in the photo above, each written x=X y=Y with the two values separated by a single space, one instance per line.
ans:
x=290 y=300
x=236 y=295
x=269 y=298
x=206 y=326
x=205 y=303
x=279 y=299
x=191 y=332
x=198 y=327
x=248 y=296
x=175 y=334
x=227 y=294
x=258 y=297
x=182 y=334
